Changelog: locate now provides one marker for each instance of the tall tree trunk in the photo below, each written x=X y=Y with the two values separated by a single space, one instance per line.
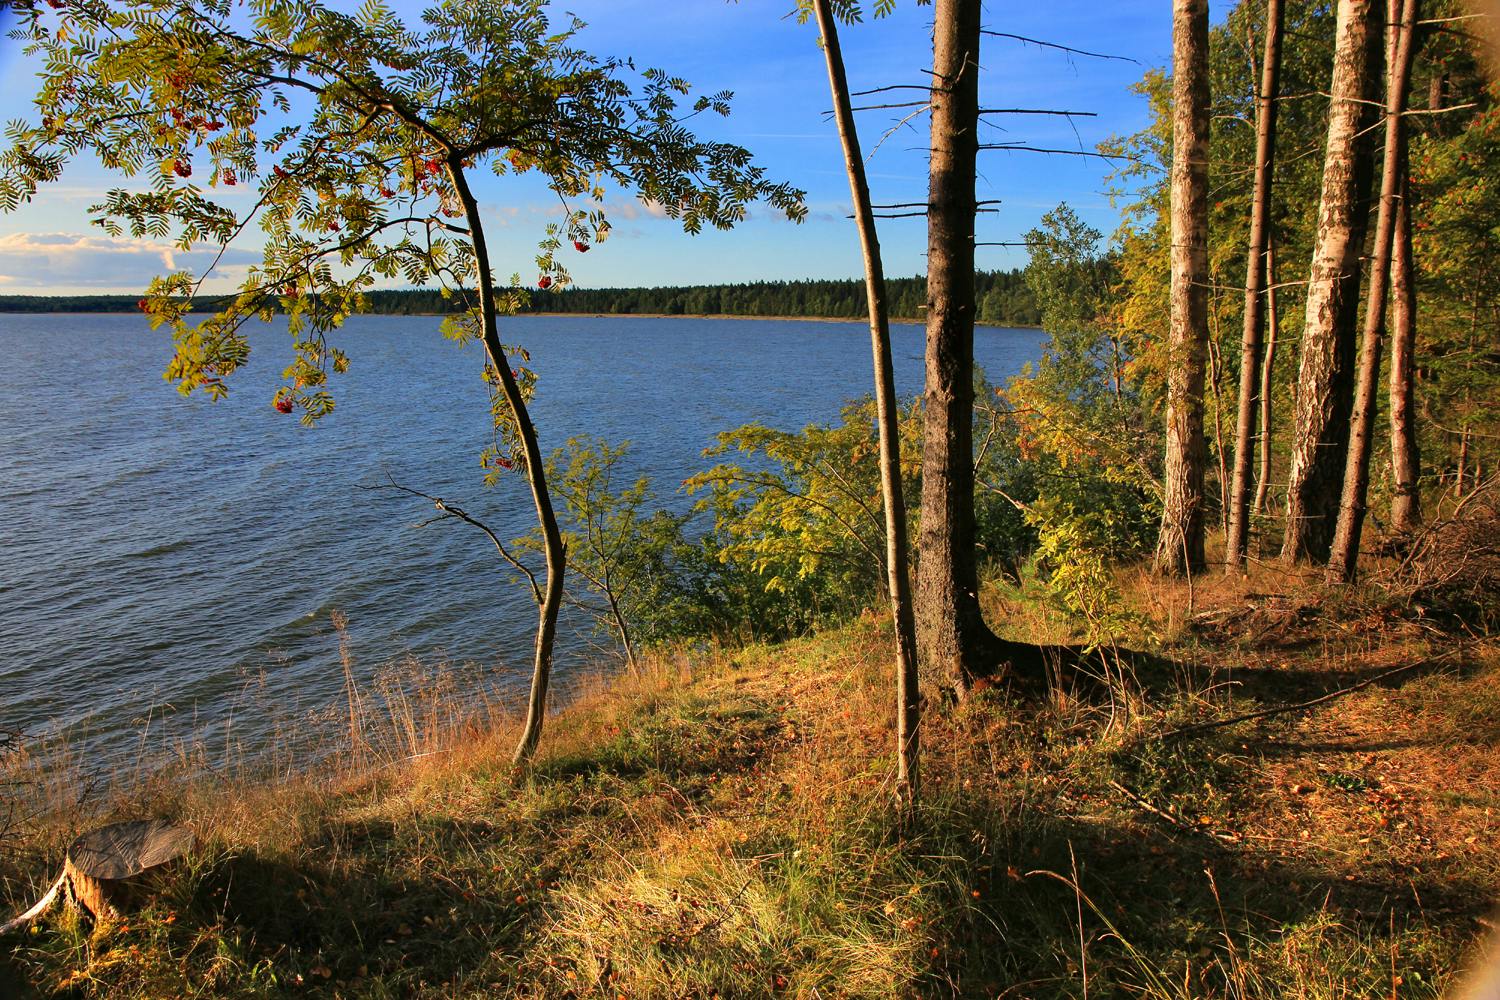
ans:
x=1237 y=539
x=552 y=543
x=1463 y=463
x=951 y=632
x=1406 y=455
x=898 y=578
x=1267 y=380
x=1401 y=17
x=1320 y=439
x=1179 y=548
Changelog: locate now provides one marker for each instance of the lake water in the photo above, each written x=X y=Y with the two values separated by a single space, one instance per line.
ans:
x=155 y=551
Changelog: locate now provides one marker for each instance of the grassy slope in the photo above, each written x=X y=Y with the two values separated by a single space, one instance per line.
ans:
x=721 y=829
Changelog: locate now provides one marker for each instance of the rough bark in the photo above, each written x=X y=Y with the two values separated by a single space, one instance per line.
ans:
x=898 y=577
x=1406 y=456
x=1237 y=537
x=552 y=543
x=1267 y=381
x=1179 y=548
x=1344 y=556
x=951 y=633
x=1326 y=359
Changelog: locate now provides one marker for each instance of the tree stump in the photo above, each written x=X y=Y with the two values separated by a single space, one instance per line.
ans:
x=112 y=868
x=109 y=869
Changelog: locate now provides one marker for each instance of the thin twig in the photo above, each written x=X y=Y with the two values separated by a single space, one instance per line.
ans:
x=1204 y=727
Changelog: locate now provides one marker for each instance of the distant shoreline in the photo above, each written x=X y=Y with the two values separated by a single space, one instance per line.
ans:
x=5 y=310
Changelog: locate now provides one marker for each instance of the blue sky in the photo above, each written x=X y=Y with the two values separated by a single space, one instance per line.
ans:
x=775 y=68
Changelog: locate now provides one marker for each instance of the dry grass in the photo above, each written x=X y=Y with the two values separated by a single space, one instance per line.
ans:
x=722 y=827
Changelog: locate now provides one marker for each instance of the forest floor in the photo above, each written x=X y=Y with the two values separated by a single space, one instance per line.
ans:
x=722 y=828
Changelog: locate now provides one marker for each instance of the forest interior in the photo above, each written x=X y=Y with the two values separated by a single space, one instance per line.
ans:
x=1164 y=668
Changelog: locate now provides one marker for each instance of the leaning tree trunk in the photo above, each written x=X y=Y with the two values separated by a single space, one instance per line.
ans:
x=1179 y=548
x=1406 y=456
x=898 y=577
x=1325 y=368
x=1344 y=556
x=951 y=632
x=1267 y=381
x=552 y=543
x=1237 y=536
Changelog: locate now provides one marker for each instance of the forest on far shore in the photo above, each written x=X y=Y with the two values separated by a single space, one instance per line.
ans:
x=1002 y=297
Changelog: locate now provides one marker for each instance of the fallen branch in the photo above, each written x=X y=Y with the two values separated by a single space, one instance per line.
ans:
x=1204 y=727
x=42 y=906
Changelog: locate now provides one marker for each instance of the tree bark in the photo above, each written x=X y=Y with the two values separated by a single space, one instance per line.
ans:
x=552 y=543
x=1401 y=17
x=1237 y=537
x=1267 y=380
x=1179 y=548
x=1406 y=455
x=1326 y=360
x=898 y=577
x=951 y=633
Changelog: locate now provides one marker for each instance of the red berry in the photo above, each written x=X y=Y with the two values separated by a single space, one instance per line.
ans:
x=283 y=404
x=386 y=192
x=143 y=305
x=545 y=281
x=279 y=172
x=333 y=227
x=580 y=246
x=182 y=168
x=505 y=463
x=229 y=178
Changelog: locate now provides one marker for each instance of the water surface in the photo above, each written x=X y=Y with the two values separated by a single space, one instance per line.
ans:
x=157 y=553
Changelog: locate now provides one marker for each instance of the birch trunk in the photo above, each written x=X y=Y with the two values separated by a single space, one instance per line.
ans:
x=1179 y=548
x=1267 y=381
x=1406 y=456
x=898 y=578
x=1401 y=16
x=1326 y=359
x=1237 y=537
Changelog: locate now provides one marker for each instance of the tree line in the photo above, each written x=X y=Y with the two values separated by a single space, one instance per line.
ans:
x=1004 y=299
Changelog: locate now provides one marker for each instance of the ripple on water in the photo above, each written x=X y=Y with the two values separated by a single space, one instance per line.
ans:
x=162 y=551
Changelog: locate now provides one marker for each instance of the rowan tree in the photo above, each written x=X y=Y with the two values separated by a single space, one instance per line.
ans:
x=356 y=137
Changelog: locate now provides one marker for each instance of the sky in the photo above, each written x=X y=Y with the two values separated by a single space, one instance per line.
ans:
x=775 y=69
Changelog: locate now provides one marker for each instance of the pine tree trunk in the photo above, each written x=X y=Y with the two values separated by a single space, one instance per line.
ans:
x=552 y=544
x=1179 y=548
x=898 y=577
x=1325 y=373
x=1406 y=456
x=951 y=632
x=1267 y=381
x=1237 y=538
x=1344 y=556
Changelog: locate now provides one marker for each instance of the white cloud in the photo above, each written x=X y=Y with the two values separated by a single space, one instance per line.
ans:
x=72 y=260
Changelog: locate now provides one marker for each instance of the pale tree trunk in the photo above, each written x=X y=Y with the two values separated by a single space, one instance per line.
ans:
x=1406 y=456
x=1179 y=549
x=952 y=635
x=1320 y=439
x=1401 y=16
x=1267 y=380
x=898 y=577
x=1257 y=269
x=552 y=543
